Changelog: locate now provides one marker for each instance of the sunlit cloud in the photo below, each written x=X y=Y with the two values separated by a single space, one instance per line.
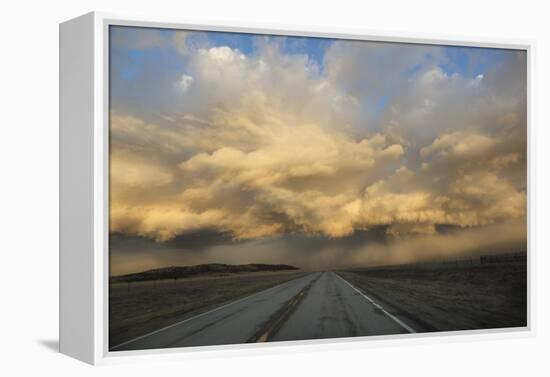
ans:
x=268 y=143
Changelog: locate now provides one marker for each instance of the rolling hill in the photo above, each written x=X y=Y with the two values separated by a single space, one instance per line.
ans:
x=177 y=272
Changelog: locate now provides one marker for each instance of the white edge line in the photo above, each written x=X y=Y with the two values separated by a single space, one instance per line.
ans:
x=397 y=320
x=200 y=315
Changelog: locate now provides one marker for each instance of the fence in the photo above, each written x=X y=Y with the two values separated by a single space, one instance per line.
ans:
x=520 y=257
x=503 y=258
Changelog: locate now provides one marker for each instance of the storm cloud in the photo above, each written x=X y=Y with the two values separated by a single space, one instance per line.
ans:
x=267 y=145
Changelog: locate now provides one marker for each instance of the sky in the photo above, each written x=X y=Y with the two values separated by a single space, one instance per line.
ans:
x=322 y=153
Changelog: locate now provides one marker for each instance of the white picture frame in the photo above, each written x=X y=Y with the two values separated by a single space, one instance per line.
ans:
x=84 y=183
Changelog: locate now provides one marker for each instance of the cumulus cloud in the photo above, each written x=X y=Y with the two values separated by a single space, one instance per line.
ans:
x=185 y=82
x=286 y=184
x=270 y=143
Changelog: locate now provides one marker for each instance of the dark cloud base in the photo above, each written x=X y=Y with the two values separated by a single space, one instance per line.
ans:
x=362 y=248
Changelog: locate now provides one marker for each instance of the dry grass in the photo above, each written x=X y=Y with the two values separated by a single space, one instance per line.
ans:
x=448 y=297
x=141 y=307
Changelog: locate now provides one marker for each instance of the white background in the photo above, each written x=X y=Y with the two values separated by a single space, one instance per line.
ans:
x=29 y=186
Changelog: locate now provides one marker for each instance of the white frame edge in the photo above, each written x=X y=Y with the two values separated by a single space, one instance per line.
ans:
x=76 y=178
x=84 y=207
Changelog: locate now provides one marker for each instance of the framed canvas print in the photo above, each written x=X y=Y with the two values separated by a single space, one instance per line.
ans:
x=234 y=188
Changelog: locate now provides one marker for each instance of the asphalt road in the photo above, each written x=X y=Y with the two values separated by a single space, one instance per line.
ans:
x=315 y=306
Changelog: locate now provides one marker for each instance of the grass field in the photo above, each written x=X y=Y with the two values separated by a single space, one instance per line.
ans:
x=137 y=308
x=451 y=297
